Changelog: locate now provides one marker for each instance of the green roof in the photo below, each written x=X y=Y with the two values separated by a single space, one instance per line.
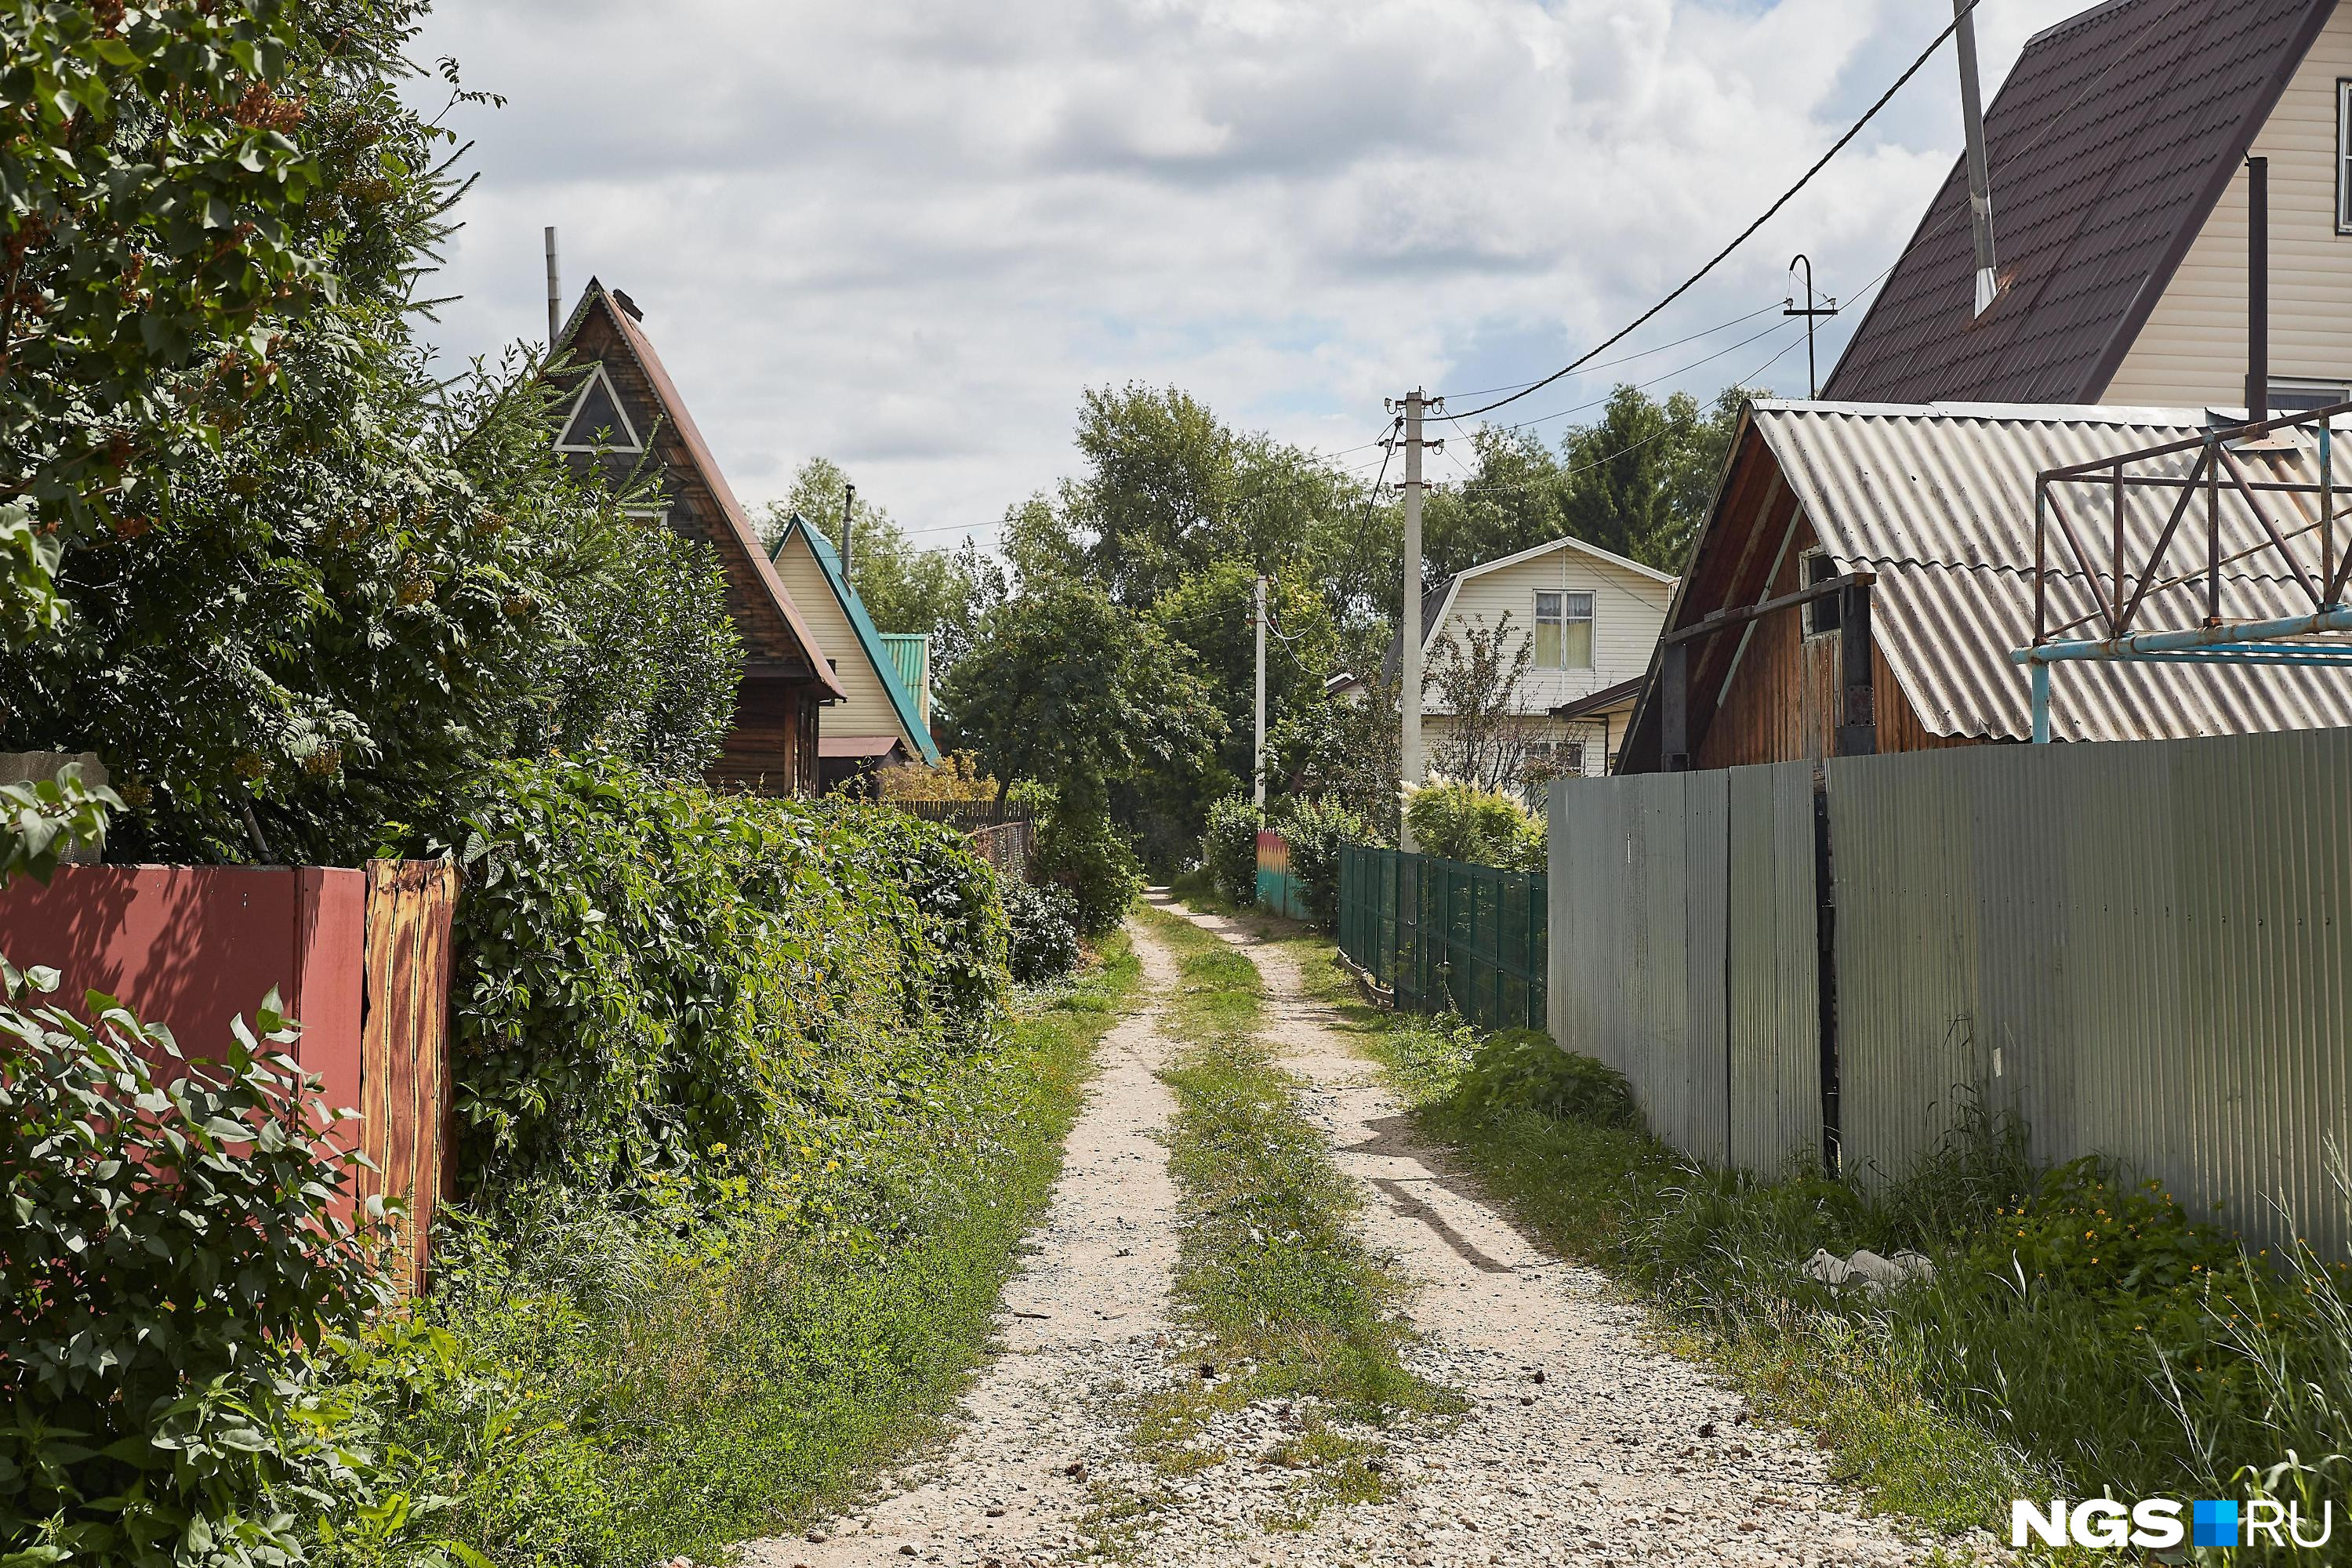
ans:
x=910 y=653
x=873 y=644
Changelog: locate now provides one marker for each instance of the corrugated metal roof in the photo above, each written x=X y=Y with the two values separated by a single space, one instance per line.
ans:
x=2109 y=144
x=1938 y=501
x=910 y=656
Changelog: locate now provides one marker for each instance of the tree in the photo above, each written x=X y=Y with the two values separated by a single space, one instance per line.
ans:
x=1210 y=614
x=1065 y=687
x=1476 y=676
x=1641 y=480
x=174 y=198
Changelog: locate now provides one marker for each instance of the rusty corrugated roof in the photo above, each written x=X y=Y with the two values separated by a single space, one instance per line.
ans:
x=2109 y=143
x=1938 y=501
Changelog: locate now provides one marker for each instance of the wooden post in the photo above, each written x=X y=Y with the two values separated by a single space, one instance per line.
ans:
x=1673 y=708
x=1858 y=725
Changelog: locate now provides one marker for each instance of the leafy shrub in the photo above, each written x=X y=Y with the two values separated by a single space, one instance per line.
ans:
x=1085 y=856
x=171 y=1247
x=1314 y=829
x=652 y=975
x=1229 y=848
x=1456 y=821
x=1522 y=1069
x=1044 y=931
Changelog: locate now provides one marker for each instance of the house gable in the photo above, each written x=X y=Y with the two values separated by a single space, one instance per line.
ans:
x=1629 y=602
x=2114 y=138
x=2191 y=352
x=877 y=703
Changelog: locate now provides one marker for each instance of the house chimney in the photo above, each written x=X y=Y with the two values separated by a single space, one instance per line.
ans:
x=2258 y=289
x=848 y=522
x=1964 y=28
x=554 y=294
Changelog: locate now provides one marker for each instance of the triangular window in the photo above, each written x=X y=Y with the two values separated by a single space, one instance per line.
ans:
x=597 y=422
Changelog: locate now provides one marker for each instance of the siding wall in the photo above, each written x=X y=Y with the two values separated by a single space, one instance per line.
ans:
x=2193 y=352
x=868 y=710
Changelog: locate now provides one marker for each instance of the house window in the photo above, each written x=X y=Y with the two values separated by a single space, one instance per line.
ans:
x=2303 y=396
x=2344 y=155
x=1563 y=631
x=1821 y=613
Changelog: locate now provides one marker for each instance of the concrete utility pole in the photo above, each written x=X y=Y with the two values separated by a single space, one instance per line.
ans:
x=1409 y=619
x=1257 y=752
x=554 y=294
x=1980 y=171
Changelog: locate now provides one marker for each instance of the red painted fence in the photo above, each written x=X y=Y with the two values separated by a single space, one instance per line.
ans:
x=360 y=958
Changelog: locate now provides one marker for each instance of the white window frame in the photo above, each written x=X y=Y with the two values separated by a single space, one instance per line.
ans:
x=597 y=376
x=2344 y=154
x=1590 y=617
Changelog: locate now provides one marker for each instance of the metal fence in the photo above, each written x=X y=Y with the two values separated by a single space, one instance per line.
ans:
x=2140 y=949
x=1007 y=845
x=1682 y=954
x=1446 y=936
x=1279 y=890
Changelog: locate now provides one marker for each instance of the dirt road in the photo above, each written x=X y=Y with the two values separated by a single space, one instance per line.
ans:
x=1583 y=1443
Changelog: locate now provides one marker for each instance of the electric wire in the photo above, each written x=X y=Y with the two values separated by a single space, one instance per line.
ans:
x=1745 y=234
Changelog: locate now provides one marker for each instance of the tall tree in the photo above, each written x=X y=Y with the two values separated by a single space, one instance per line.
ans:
x=1066 y=687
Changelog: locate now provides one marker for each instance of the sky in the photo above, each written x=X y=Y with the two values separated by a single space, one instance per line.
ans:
x=906 y=234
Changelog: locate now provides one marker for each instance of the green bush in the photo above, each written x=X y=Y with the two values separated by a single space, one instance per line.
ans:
x=1085 y=856
x=1045 y=927
x=1522 y=1069
x=1229 y=848
x=653 y=977
x=171 y=1248
x=1315 y=830
x=1458 y=821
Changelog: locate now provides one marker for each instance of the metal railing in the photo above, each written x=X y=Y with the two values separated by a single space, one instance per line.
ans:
x=1445 y=936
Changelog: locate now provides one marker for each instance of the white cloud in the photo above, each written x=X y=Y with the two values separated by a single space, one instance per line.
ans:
x=904 y=234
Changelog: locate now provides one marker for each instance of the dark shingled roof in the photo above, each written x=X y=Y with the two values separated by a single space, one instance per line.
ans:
x=2109 y=143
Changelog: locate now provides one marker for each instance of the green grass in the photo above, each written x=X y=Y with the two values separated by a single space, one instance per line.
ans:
x=1278 y=1293
x=650 y=1389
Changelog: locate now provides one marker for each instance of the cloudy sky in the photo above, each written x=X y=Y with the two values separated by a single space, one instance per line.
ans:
x=904 y=234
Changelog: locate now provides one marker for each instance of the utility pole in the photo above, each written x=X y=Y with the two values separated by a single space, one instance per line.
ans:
x=1812 y=312
x=554 y=294
x=848 y=522
x=1964 y=26
x=1409 y=756
x=1257 y=752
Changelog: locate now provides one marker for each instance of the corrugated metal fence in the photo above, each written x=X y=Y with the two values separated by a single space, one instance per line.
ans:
x=1279 y=890
x=1682 y=954
x=1445 y=936
x=2142 y=950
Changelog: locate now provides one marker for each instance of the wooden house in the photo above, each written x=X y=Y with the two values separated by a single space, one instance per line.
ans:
x=881 y=721
x=623 y=418
x=1921 y=518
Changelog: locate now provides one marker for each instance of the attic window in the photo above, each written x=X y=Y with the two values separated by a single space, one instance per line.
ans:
x=1816 y=567
x=1563 y=631
x=2344 y=155
x=597 y=422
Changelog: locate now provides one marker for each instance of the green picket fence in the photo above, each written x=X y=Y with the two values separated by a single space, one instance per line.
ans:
x=1445 y=936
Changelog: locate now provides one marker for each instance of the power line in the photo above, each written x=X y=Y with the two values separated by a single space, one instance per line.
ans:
x=1628 y=359
x=1770 y=213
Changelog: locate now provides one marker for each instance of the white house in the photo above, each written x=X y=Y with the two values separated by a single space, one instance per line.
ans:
x=1590 y=620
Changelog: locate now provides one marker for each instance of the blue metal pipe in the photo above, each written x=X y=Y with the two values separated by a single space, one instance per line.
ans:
x=2336 y=618
x=2041 y=704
